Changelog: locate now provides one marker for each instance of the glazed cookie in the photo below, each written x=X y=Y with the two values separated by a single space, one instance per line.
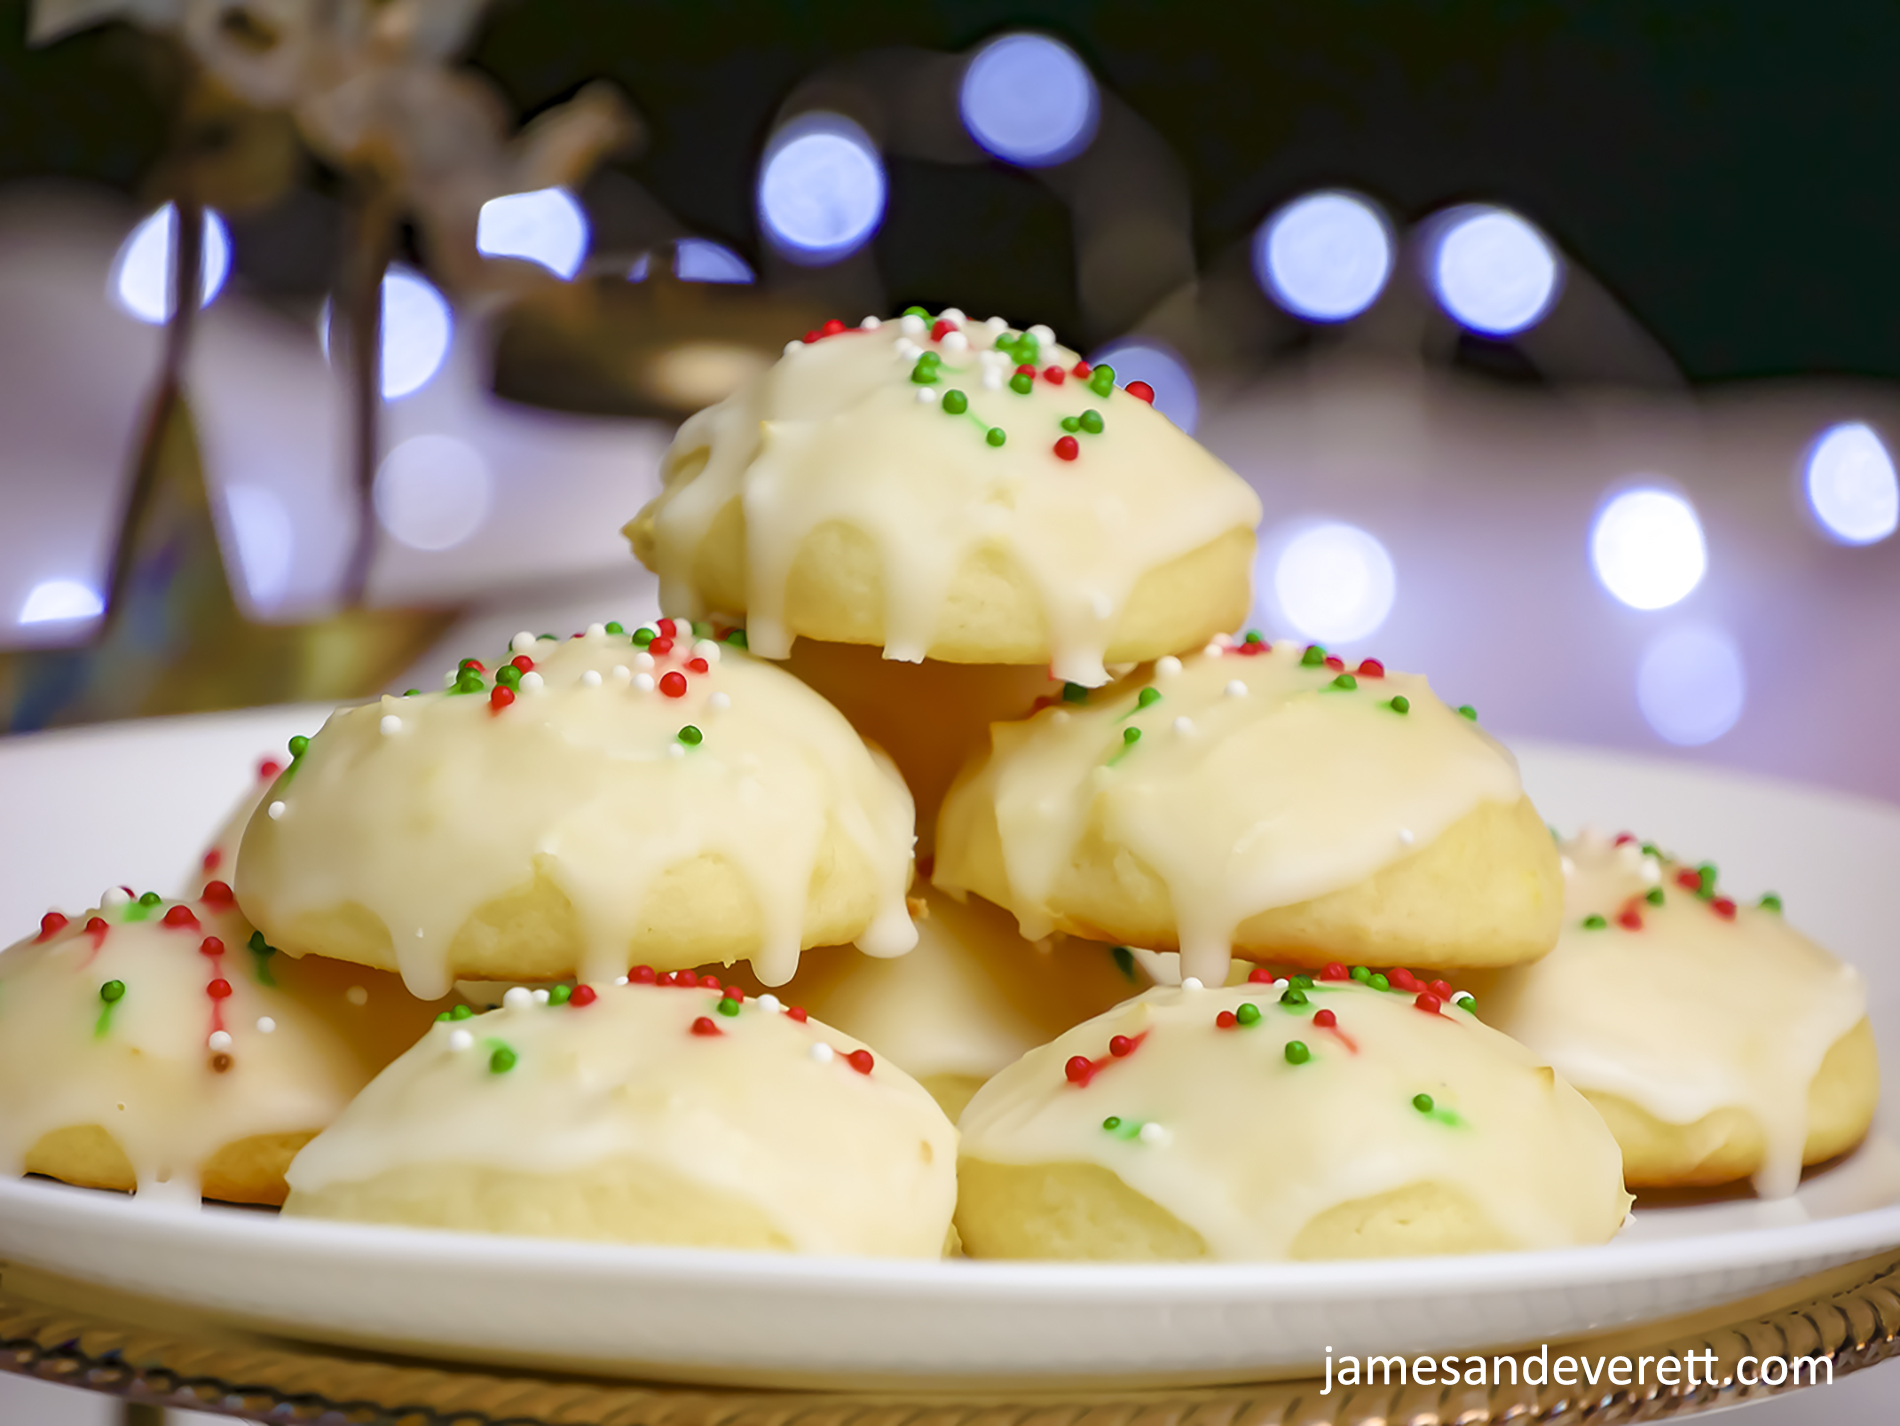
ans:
x=971 y=998
x=593 y=802
x=954 y=490
x=160 y=1047
x=1283 y=1119
x=219 y=861
x=664 y=1110
x=1717 y=1041
x=1259 y=797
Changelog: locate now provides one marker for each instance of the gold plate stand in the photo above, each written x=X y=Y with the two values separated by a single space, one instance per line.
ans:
x=64 y=1332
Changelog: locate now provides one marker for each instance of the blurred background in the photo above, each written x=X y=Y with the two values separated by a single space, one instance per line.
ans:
x=1560 y=341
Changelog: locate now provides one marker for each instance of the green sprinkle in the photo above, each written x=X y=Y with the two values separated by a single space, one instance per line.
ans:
x=1650 y=850
x=1345 y=683
x=559 y=994
x=643 y=637
x=1361 y=974
x=1379 y=982
x=702 y=628
x=501 y=1061
x=1112 y=1123
x=1593 y=922
x=551 y=638
x=1074 y=693
x=469 y=682
x=1707 y=874
x=955 y=403
x=1399 y=703
x=614 y=626
x=461 y=1012
x=263 y=951
x=1253 y=637
x=1293 y=997
x=1655 y=896
x=508 y=676
x=1303 y=982
x=411 y=692
x=151 y=898
x=1125 y=962
x=916 y=312
x=299 y=745
x=1147 y=698
x=1313 y=657
x=1091 y=421
x=1102 y=380
x=736 y=637
x=1467 y=1001
x=728 y=1006
x=1465 y=710
x=443 y=1016
x=995 y=436
x=1131 y=736
x=1297 y=1053
x=924 y=373
x=1247 y=1013
x=1071 y=424
x=112 y=992
x=1770 y=902
x=1022 y=383
x=1423 y=1103
x=691 y=736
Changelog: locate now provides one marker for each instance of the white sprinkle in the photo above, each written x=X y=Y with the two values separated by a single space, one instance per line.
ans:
x=531 y=682
x=460 y=1040
x=871 y=324
x=1059 y=717
x=1184 y=726
x=911 y=325
x=993 y=378
x=1463 y=997
x=952 y=314
x=925 y=396
x=448 y=679
x=955 y=342
x=266 y=1025
x=1566 y=866
x=113 y=896
x=540 y=996
x=643 y=660
x=1226 y=641
x=522 y=643
x=769 y=1002
x=1213 y=651
x=1155 y=1134
x=1405 y=836
x=820 y=1052
x=907 y=350
x=1236 y=689
x=219 y=1040
x=1191 y=983
x=643 y=682
x=275 y=811
x=517 y=997
x=595 y=631
x=391 y=725
x=707 y=649
x=1044 y=336
x=622 y=979
x=997 y=326
x=1100 y=605
x=793 y=347
x=622 y=674
x=590 y=679
x=719 y=702
x=1167 y=666
x=356 y=995
x=1652 y=871
x=675 y=750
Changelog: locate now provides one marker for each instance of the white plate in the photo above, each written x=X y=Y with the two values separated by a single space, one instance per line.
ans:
x=130 y=803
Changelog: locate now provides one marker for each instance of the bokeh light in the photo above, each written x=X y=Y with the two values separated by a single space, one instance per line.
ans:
x=1493 y=271
x=703 y=260
x=1647 y=548
x=1690 y=684
x=546 y=226
x=54 y=601
x=1851 y=486
x=1176 y=396
x=1030 y=99
x=1334 y=582
x=418 y=327
x=1325 y=257
x=141 y=279
x=266 y=540
x=821 y=188
x=433 y=492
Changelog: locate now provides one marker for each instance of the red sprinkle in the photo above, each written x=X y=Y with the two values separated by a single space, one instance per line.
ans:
x=704 y=1026
x=1053 y=375
x=735 y=995
x=1690 y=878
x=1079 y=1069
x=797 y=1012
x=832 y=328
x=810 y=337
x=1630 y=919
x=1225 y=1020
x=1068 y=448
x=98 y=926
x=500 y=698
x=667 y=627
x=523 y=662
x=1024 y=371
x=1371 y=668
x=1325 y=1019
x=1252 y=648
x=583 y=995
x=1080 y=369
x=1141 y=391
x=1724 y=908
x=1335 y=971
x=942 y=328
x=1624 y=839
x=212 y=858
x=180 y=916
x=1120 y=1046
x=660 y=646
x=1442 y=989
x=860 y=1060
x=709 y=982
x=1402 y=979
x=1337 y=665
x=1259 y=975
x=641 y=975
x=51 y=924
x=674 y=684
x=698 y=665
x=211 y=946
x=216 y=893
x=1428 y=1002
x=218 y=989
x=268 y=769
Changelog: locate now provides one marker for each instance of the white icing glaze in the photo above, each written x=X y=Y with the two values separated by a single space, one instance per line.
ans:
x=145 y=1067
x=1684 y=1008
x=834 y=431
x=219 y=859
x=1282 y=788
x=1250 y=1147
x=839 y=1160
x=590 y=786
